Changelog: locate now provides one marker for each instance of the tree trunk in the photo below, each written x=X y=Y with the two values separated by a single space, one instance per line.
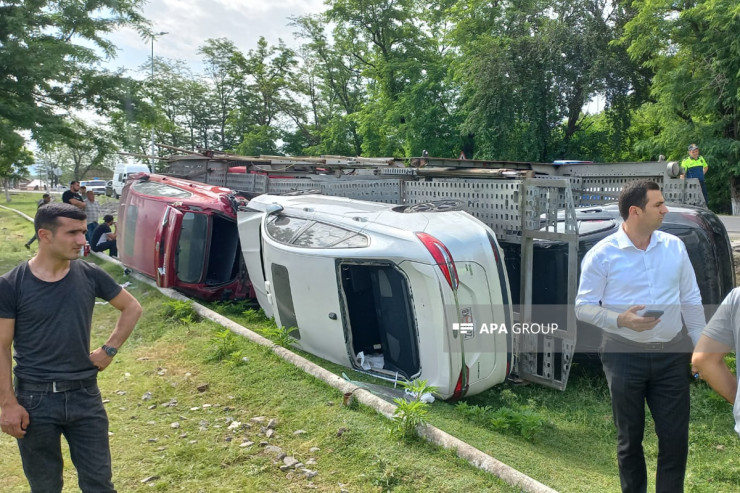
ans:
x=6 y=186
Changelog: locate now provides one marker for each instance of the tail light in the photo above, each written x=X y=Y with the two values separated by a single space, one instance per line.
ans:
x=461 y=388
x=494 y=247
x=442 y=257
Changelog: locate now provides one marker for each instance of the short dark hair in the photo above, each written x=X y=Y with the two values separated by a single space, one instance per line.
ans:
x=635 y=193
x=107 y=218
x=73 y=182
x=45 y=195
x=47 y=216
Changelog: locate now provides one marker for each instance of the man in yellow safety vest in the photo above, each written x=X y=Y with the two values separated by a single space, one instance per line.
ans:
x=695 y=166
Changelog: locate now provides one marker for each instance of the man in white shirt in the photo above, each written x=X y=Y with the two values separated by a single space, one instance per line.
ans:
x=721 y=336
x=645 y=358
x=92 y=210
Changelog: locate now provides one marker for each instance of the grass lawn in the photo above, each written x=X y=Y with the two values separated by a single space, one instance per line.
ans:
x=183 y=393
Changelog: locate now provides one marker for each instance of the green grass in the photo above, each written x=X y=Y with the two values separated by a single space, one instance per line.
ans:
x=569 y=445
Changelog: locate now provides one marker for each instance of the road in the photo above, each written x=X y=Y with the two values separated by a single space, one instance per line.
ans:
x=732 y=223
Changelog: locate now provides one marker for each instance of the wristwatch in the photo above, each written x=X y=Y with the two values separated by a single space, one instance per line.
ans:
x=110 y=351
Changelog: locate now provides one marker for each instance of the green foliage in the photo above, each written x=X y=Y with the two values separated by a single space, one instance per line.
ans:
x=410 y=414
x=48 y=59
x=180 y=312
x=280 y=336
x=695 y=88
x=524 y=421
x=226 y=346
x=510 y=418
x=254 y=316
x=14 y=157
x=474 y=413
x=385 y=474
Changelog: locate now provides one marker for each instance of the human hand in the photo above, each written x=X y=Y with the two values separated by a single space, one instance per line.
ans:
x=14 y=420
x=100 y=359
x=631 y=320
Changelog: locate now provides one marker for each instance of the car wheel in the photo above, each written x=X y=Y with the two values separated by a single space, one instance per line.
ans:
x=433 y=206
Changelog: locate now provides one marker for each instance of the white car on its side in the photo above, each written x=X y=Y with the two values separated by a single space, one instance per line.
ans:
x=398 y=292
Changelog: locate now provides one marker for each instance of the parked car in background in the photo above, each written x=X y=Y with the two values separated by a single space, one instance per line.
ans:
x=97 y=186
x=704 y=235
x=183 y=234
x=109 y=188
x=397 y=292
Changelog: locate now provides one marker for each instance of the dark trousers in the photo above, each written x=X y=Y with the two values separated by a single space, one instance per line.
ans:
x=107 y=245
x=90 y=230
x=698 y=172
x=79 y=415
x=661 y=380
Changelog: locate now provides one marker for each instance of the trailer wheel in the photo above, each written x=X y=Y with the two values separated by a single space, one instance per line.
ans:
x=433 y=206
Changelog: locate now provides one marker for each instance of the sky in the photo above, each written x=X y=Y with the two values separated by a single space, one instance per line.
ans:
x=189 y=23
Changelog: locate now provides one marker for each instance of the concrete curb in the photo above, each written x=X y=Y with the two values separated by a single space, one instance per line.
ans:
x=434 y=435
x=26 y=216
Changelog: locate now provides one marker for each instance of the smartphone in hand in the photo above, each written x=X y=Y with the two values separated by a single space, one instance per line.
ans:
x=653 y=313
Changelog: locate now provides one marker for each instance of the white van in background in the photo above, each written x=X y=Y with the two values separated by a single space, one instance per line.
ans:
x=121 y=173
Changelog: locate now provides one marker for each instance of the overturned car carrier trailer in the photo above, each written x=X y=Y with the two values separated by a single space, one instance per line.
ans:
x=525 y=204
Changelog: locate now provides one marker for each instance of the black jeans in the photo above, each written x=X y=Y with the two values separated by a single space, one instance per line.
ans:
x=77 y=414
x=661 y=380
x=107 y=245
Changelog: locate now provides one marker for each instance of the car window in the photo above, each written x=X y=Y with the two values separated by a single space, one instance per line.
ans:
x=283 y=228
x=320 y=235
x=311 y=234
x=160 y=190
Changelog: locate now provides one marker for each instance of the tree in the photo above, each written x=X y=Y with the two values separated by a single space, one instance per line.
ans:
x=398 y=47
x=693 y=51
x=221 y=58
x=48 y=56
x=14 y=157
x=87 y=148
x=334 y=89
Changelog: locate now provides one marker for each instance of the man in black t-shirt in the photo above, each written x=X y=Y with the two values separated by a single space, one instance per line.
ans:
x=72 y=196
x=103 y=238
x=46 y=307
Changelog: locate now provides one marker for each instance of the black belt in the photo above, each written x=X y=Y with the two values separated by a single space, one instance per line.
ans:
x=60 y=386
x=645 y=346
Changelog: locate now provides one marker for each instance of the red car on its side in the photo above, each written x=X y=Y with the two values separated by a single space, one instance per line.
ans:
x=183 y=234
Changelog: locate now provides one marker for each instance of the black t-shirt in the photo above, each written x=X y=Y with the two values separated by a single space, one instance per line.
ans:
x=69 y=194
x=97 y=233
x=53 y=320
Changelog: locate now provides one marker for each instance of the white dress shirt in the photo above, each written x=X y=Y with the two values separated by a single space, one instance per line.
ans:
x=616 y=275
